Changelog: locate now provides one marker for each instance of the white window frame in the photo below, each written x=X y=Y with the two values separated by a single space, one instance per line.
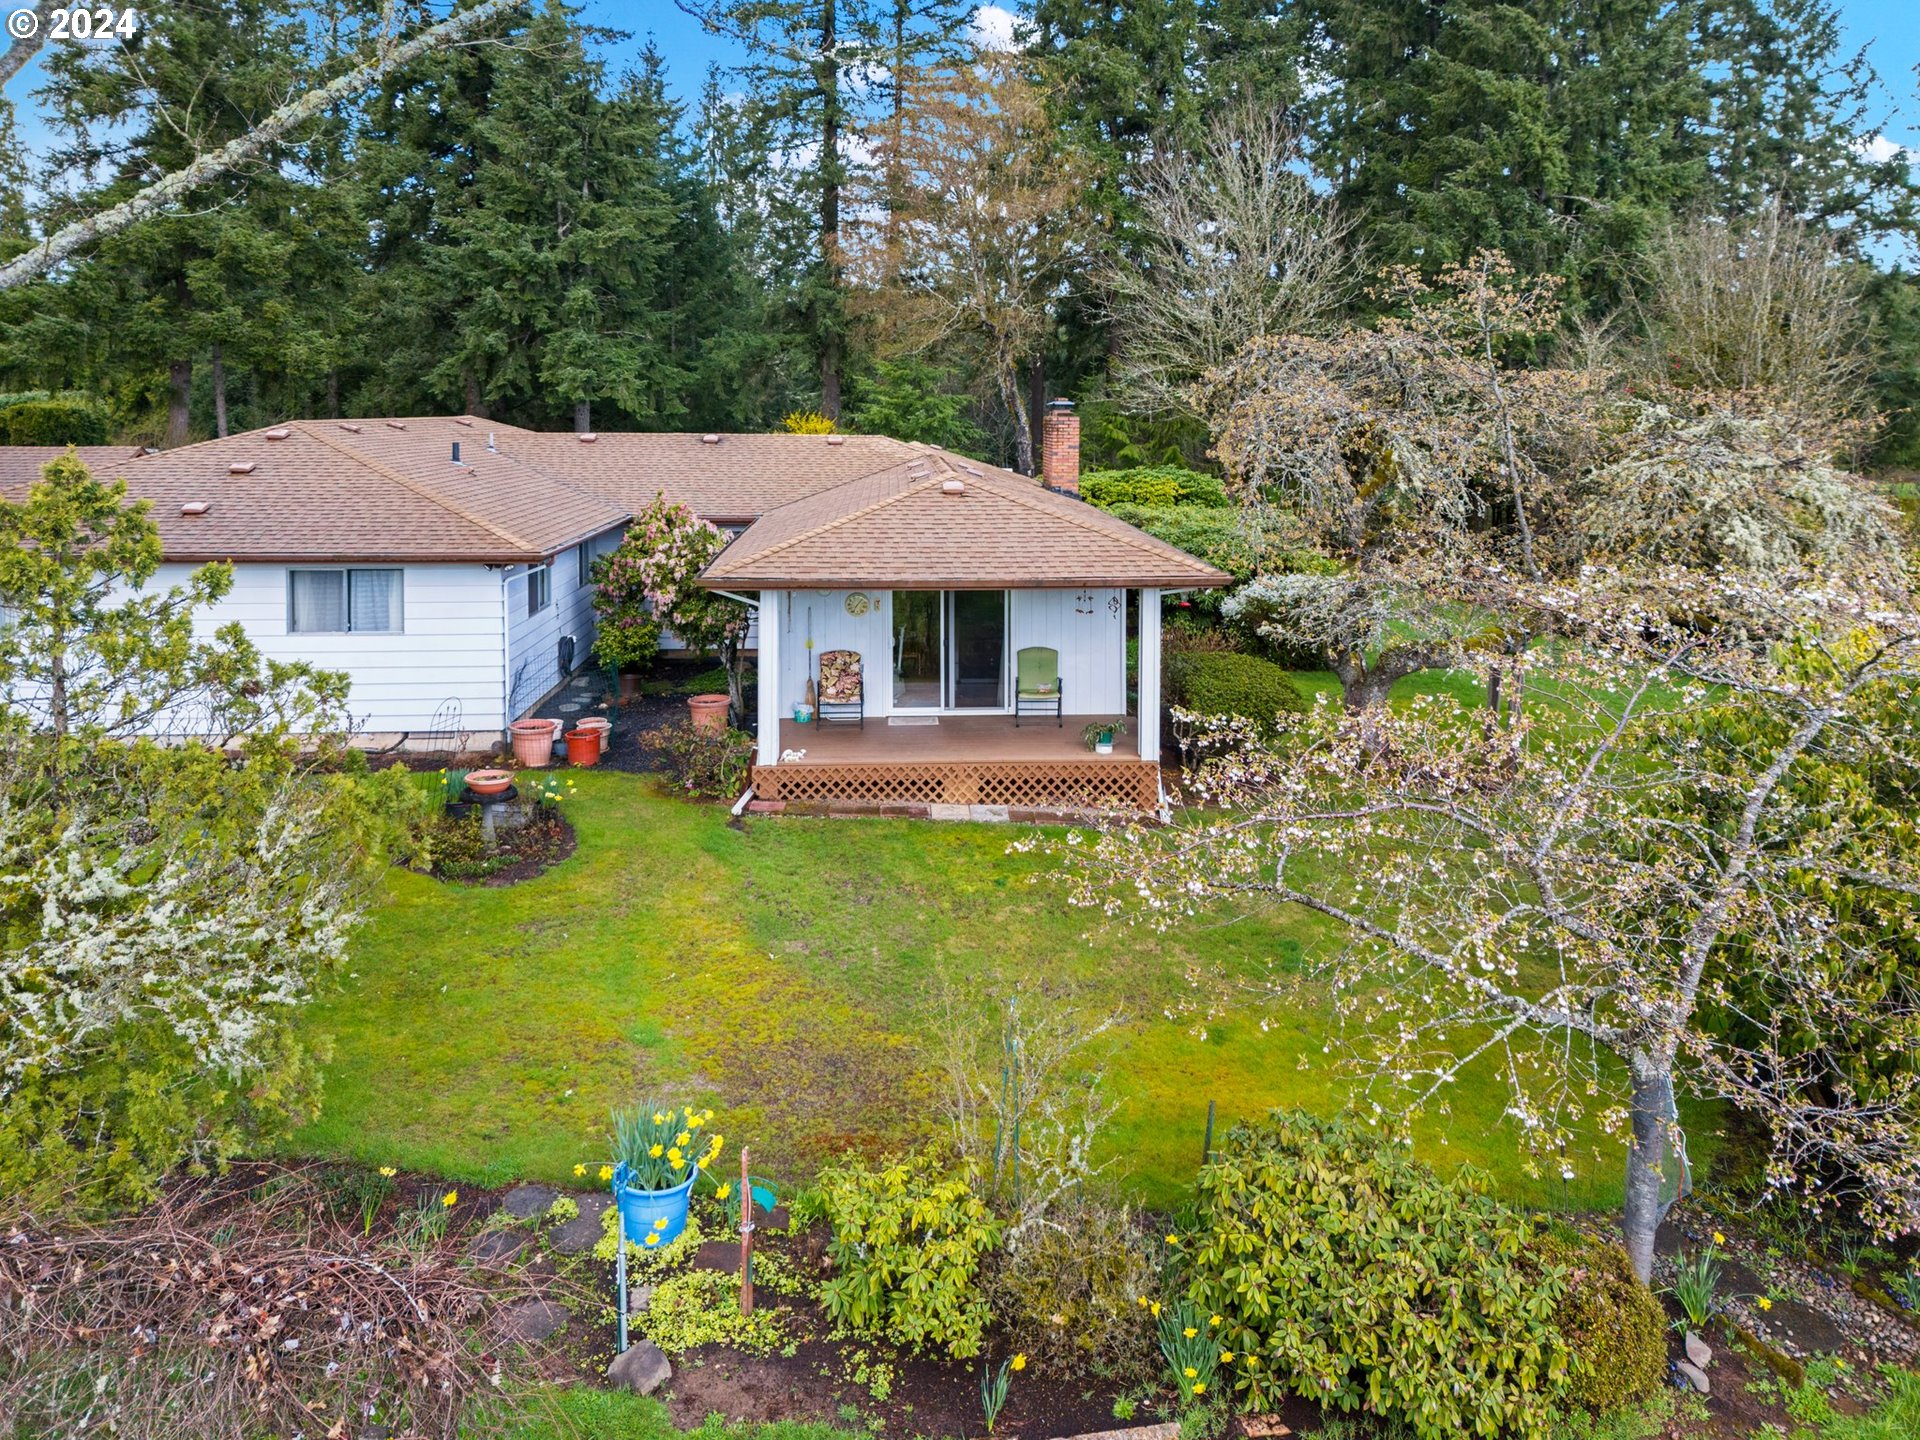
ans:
x=539 y=582
x=346 y=572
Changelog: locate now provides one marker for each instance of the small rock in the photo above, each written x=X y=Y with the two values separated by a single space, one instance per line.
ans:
x=1698 y=1351
x=529 y=1202
x=578 y=1236
x=533 y=1320
x=497 y=1247
x=643 y=1369
x=1694 y=1376
x=639 y=1297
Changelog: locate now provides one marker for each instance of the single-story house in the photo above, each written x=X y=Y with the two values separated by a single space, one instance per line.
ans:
x=444 y=564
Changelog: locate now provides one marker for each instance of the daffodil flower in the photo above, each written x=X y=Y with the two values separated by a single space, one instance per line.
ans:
x=388 y=1171
x=450 y=1199
x=1019 y=1363
x=579 y=1170
x=1191 y=1372
x=723 y=1192
x=1215 y=1322
x=1718 y=1238
x=1200 y=1387
x=1226 y=1357
x=655 y=1151
x=682 y=1138
x=1189 y=1332
x=1763 y=1302
x=606 y=1172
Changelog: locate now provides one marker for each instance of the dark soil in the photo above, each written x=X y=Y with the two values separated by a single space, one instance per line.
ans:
x=520 y=851
x=668 y=686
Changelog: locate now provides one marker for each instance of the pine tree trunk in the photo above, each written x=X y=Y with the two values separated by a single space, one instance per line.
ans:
x=829 y=317
x=1646 y=1159
x=179 y=402
x=1010 y=395
x=219 y=393
x=583 y=417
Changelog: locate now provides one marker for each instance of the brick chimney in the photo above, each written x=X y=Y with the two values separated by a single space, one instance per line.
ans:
x=1060 y=448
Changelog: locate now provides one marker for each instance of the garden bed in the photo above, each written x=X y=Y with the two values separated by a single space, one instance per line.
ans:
x=528 y=841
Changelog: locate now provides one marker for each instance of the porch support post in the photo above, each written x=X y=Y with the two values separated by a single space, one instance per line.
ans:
x=768 y=749
x=1149 y=717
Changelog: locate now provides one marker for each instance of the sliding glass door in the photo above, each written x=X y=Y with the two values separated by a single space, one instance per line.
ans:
x=949 y=650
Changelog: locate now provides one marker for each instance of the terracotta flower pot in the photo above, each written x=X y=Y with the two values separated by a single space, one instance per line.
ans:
x=629 y=684
x=487 y=783
x=709 y=712
x=600 y=723
x=583 y=747
x=533 y=742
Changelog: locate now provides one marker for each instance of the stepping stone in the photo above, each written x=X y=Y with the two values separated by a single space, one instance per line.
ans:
x=532 y=1320
x=643 y=1369
x=1694 y=1376
x=1698 y=1351
x=529 y=1202
x=992 y=814
x=497 y=1247
x=576 y=1237
x=571 y=707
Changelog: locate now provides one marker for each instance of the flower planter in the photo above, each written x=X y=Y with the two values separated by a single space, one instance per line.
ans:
x=583 y=747
x=629 y=686
x=488 y=783
x=709 y=713
x=642 y=1210
x=603 y=725
x=533 y=742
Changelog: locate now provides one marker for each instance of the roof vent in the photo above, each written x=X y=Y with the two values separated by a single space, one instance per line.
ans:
x=970 y=469
x=456 y=452
x=953 y=487
x=279 y=433
x=240 y=467
x=836 y=439
x=197 y=507
x=709 y=439
x=350 y=429
x=586 y=437
x=463 y=420
x=396 y=424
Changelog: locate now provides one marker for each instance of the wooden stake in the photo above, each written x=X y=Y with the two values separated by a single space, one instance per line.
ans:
x=746 y=1237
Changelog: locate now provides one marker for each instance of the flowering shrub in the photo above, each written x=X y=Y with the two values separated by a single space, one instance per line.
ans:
x=908 y=1239
x=647 y=583
x=807 y=422
x=1345 y=1270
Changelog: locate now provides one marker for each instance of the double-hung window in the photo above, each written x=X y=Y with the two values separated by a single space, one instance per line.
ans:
x=340 y=602
x=539 y=588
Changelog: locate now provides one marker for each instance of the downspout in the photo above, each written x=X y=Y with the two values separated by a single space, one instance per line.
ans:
x=746 y=795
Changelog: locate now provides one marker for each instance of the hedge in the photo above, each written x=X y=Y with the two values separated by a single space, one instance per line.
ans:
x=1227 y=682
x=1157 y=485
x=53 y=422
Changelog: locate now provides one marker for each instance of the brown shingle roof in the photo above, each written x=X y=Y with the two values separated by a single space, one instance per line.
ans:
x=904 y=527
x=856 y=509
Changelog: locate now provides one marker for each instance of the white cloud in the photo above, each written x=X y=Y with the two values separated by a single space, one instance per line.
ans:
x=992 y=27
x=1878 y=149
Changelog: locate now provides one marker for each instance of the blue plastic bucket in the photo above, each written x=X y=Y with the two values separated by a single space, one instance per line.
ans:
x=642 y=1210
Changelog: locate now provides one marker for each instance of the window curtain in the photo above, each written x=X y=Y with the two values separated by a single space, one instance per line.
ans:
x=376 y=600
x=318 y=601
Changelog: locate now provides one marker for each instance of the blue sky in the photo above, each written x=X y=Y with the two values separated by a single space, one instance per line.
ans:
x=1889 y=28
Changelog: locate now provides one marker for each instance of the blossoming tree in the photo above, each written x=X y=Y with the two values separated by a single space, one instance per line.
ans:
x=1692 y=871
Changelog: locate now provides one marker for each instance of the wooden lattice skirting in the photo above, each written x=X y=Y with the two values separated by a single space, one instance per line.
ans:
x=1062 y=784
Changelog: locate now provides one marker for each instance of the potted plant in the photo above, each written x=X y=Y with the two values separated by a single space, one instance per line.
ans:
x=658 y=1154
x=1098 y=735
x=489 y=783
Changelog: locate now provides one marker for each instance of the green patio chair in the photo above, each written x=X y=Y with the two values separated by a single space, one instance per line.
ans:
x=1036 y=689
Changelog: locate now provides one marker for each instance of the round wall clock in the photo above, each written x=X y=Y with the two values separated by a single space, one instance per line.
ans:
x=857 y=603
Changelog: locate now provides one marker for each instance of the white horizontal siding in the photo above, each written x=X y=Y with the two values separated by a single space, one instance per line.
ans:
x=1087 y=627
x=533 y=641
x=448 y=649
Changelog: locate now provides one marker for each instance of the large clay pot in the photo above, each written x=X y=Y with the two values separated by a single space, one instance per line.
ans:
x=583 y=747
x=488 y=783
x=533 y=742
x=601 y=724
x=629 y=687
x=709 y=713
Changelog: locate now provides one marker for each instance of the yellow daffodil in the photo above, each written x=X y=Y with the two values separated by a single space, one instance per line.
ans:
x=655 y=1151
x=450 y=1199
x=696 y=1122
x=1215 y=1322
x=675 y=1155
x=1019 y=1363
x=723 y=1192
x=683 y=1138
x=1155 y=1308
x=679 y=1163
x=388 y=1171
x=1143 y=1301
x=1226 y=1357
x=1763 y=1302
x=579 y=1170
x=707 y=1114
x=1191 y=1372
x=1173 y=1239
x=653 y=1238
x=1189 y=1332
x=606 y=1172
x=1200 y=1387
x=1252 y=1360
x=659 y=1117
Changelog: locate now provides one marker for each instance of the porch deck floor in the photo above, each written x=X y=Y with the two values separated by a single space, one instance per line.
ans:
x=956 y=737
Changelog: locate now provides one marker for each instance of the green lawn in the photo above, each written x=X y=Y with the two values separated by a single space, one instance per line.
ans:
x=789 y=974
